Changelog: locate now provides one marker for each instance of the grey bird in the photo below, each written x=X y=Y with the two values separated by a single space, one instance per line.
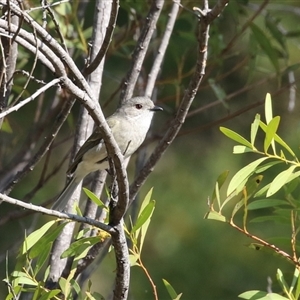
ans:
x=129 y=125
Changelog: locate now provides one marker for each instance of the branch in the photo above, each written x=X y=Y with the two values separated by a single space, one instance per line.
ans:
x=107 y=39
x=187 y=100
x=31 y=98
x=57 y=214
x=123 y=266
x=141 y=49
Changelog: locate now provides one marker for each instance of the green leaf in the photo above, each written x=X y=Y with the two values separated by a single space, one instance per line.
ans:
x=239 y=149
x=282 y=282
x=220 y=181
x=239 y=179
x=265 y=45
x=236 y=137
x=265 y=203
x=278 y=140
x=254 y=129
x=171 y=290
x=260 y=295
x=144 y=216
x=295 y=283
x=280 y=180
x=23 y=278
x=270 y=134
x=95 y=199
x=42 y=258
x=268 y=165
x=47 y=239
x=213 y=215
x=35 y=236
x=143 y=230
x=79 y=246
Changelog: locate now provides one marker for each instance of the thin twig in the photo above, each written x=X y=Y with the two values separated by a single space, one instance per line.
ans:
x=57 y=214
x=107 y=39
x=162 y=49
x=31 y=98
x=140 y=50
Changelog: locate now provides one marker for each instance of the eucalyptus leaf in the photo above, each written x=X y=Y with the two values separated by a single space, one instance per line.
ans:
x=280 y=180
x=242 y=175
x=235 y=136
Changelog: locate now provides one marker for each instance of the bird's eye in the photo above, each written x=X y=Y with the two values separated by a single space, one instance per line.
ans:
x=138 y=106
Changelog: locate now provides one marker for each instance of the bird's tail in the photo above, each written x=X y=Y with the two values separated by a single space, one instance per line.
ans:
x=66 y=194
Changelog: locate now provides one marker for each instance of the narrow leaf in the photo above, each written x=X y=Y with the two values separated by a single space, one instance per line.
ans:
x=213 y=215
x=242 y=175
x=270 y=134
x=236 y=137
x=144 y=216
x=268 y=108
x=278 y=140
x=220 y=181
x=265 y=203
x=35 y=236
x=280 y=180
x=254 y=129
x=170 y=289
x=95 y=199
x=239 y=149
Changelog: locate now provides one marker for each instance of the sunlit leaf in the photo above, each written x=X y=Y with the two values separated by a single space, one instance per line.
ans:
x=48 y=238
x=260 y=295
x=35 y=236
x=23 y=278
x=270 y=134
x=79 y=246
x=141 y=231
x=280 y=180
x=144 y=216
x=242 y=175
x=171 y=290
x=239 y=149
x=220 y=181
x=266 y=166
x=95 y=199
x=268 y=108
x=254 y=129
x=236 y=137
x=278 y=139
x=282 y=281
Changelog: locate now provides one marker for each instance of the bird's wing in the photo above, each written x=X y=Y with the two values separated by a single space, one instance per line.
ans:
x=92 y=141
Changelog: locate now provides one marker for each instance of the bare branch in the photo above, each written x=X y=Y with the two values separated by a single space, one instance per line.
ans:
x=57 y=214
x=187 y=100
x=31 y=98
x=107 y=39
x=162 y=50
x=140 y=50
x=123 y=266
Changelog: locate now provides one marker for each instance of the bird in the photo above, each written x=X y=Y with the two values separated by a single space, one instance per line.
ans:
x=129 y=125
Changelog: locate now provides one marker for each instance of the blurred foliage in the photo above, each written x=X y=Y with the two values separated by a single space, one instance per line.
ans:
x=252 y=51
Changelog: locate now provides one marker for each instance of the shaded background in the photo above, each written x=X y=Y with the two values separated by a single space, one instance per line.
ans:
x=203 y=259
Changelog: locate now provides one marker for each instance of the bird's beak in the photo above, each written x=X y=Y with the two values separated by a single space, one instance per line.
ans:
x=156 y=108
